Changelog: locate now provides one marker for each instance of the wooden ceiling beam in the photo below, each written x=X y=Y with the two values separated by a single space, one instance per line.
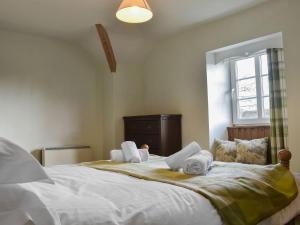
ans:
x=106 y=44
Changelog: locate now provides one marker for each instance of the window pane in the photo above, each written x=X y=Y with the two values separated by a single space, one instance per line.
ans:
x=266 y=107
x=265 y=85
x=247 y=108
x=245 y=68
x=247 y=88
x=264 y=64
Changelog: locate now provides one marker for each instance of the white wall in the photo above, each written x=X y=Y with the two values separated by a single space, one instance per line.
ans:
x=175 y=74
x=219 y=98
x=49 y=93
x=249 y=47
x=52 y=93
x=123 y=96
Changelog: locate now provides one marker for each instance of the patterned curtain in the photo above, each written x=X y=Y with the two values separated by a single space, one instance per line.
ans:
x=278 y=105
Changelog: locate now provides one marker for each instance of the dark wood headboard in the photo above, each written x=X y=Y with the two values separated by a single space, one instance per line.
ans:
x=248 y=133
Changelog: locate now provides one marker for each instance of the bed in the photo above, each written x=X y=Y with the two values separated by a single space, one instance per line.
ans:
x=86 y=196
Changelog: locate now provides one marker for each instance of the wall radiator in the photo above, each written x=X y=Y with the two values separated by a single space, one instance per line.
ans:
x=71 y=154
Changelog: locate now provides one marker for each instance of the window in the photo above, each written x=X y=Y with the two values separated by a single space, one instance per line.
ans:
x=250 y=89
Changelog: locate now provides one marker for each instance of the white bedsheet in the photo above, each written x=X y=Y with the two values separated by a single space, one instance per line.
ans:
x=85 y=196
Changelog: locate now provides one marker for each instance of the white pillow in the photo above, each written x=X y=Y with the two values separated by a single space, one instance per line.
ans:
x=18 y=166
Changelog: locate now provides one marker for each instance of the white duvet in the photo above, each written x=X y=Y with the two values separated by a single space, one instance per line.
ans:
x=85 y=196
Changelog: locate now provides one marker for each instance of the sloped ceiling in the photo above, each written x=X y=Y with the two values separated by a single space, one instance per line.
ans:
x=74 y=20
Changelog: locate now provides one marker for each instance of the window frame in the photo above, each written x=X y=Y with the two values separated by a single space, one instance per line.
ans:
x=259 y=92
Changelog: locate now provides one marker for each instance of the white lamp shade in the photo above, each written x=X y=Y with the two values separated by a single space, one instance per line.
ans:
x=134 y=11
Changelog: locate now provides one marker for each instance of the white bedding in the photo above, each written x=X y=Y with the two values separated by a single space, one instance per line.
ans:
x=85 y=196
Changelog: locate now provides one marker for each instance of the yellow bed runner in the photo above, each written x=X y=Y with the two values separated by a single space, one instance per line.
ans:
x=242 y=194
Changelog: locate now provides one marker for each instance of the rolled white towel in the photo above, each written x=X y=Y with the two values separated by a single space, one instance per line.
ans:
x=198 y=164
x=130 y=151
x=209 y=156
x=118 y=156
x=175 y=161
x=144 y=154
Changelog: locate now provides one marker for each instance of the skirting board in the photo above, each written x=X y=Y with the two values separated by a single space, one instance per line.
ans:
x=66 y=155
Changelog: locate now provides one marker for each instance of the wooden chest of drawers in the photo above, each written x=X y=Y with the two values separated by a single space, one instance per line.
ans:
x=161 y=132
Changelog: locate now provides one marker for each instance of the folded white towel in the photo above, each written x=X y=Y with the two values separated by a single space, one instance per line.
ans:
x=175 y=161
x=118 y=156
x=130 y=151
x=198 y=164
x=209 y=156
x=144 y=154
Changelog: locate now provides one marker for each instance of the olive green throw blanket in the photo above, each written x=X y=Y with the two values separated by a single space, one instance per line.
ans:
x=242 y=194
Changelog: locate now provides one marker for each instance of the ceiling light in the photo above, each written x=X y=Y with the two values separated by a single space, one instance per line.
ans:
x=134 y=11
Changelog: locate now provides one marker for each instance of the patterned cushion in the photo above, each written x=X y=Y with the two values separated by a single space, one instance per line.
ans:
x=225 y=151
x=252 y=152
